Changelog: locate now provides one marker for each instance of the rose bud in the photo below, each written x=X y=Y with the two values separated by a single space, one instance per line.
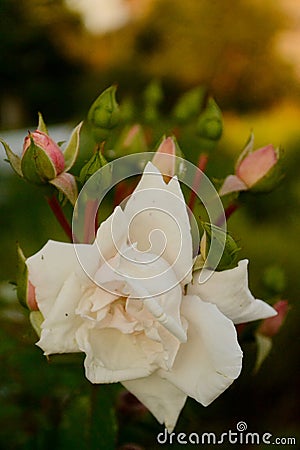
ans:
x=271 y=326
x=164 y=158
x=189 y=105
x=104 y=114
x=132 y=140
x=209 y=124
x=42 y=159
x=256 y=171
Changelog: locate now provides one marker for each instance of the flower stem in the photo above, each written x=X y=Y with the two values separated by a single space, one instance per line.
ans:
x=90 y=221
x=231 y=208
x=60 y=216
x=202 y=163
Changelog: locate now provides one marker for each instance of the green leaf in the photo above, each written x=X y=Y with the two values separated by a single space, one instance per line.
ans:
x=71 y=150
x=13 y=159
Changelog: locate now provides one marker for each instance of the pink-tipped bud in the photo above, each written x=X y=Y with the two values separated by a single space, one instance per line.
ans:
x=257 y=165
x=43 y=142
x=164 y=158
x=271 y=326
x=256 y=171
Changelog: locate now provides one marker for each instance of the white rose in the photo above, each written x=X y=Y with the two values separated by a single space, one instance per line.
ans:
x=141 y=319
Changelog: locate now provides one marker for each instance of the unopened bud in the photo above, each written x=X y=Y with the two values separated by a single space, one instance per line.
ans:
x=42 y=159
x=164 y=158
x=256 y=170
x=189 y=105
x=104 y=114
x=132 y=140
x=210 y=126
x=271 y=326
x=260 y=170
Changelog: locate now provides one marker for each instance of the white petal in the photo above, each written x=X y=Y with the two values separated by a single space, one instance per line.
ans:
x=159 y=221
x=61 y=323
x=230 y=292
x=211 y=359
x=151 y=280
x=113 y=356
x=53 y=264
x=162 y=398
x=112 y=234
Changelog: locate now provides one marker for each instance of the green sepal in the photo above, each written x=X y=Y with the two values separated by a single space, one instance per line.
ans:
x=229 y=256
x=198 y=263
x=189 y=105
x=13 y=159
x=104 y=114
x=67 y=186
x=96 y=162
x=36 y=319
x=36 y=165
x=22 y=277
x=71 y=151
x=41 y=125
x=264 y=346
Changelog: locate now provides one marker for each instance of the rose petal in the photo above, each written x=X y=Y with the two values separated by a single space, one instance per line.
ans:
x=61 y=322
x=230 y=292
x=211 y=359
x=256 y=165
x=159 y=222
x=151 y=280
x=51 y=266
x=112 y=234
x=113 y=356
x=163 y=399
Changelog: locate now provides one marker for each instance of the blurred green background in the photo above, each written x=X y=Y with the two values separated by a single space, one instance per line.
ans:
x=57 y=60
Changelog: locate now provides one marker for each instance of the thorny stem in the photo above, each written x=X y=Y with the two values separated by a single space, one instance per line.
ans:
x=60 y=216
x=202 y=163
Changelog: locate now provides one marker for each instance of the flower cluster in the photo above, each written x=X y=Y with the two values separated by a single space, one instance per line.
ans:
x=141 y=301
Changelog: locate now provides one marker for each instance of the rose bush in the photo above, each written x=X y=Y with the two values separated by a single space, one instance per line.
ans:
x=132 y=304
